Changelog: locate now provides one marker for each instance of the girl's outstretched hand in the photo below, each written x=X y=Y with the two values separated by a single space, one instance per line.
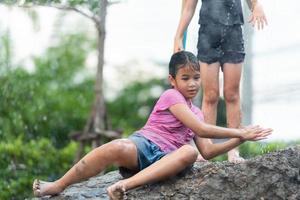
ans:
x=255 y=133
x=258 y=17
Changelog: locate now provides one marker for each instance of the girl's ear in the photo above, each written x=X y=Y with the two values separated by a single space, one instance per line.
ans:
x=172 y=81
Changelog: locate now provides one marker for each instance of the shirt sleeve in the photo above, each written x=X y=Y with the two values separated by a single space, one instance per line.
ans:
x=169 y=98
x=198 y=113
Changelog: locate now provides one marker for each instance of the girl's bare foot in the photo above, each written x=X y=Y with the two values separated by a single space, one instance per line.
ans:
x=234 y=157
x=43 y=188
x=117 y=191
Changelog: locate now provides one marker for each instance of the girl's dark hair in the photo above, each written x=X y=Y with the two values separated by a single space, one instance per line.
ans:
x=183 y=59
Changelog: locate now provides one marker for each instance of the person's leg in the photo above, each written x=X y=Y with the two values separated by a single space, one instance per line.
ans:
x=167 y=166
x=209 y=53
x=121 y=152
x=234 y=54
x=232 y=75
x=210 y=84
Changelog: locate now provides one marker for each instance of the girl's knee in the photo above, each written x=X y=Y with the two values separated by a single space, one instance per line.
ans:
x=190 y=154
x=121 y=146
x=122 y=150
x=125 y=153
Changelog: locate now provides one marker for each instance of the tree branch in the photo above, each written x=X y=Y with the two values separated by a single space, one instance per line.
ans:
x=61 y=7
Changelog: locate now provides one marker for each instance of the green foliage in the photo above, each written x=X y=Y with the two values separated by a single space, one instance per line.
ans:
x=5 y=52
x=221 y=115
x=221 y=111
x=38 y=111
x=252 y=149
x=53 y=100
x=131 y=108
x=22 y=162
x=91 y=5
x=222 y=157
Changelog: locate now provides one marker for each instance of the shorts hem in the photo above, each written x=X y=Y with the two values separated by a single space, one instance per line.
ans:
x=207 y=60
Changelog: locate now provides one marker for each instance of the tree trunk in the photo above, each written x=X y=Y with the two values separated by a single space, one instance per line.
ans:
x=100 y=110
x=96 y=123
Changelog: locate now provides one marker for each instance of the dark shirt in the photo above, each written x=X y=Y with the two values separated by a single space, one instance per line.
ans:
x=226 y=12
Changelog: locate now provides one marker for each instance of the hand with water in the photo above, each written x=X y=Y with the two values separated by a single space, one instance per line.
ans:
x=255 y=133
x=258 y=17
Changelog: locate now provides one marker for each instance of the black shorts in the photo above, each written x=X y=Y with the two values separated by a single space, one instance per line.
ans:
x=220 y=43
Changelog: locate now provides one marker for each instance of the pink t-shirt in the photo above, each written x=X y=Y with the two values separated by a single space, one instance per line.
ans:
x=163 y=128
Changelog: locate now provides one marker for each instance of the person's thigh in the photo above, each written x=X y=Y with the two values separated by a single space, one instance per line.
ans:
x=184 y=157
x=232 y=76
x=210 y=78
x=126 y=153
x=147 y=154
x=169 y=165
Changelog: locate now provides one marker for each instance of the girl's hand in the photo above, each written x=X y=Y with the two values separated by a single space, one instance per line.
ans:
x=258 y=17
x=178 y=46
x=255 y=133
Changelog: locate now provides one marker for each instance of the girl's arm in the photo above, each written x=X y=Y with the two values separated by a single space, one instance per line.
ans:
x=209 y=150
x=183 y=113
x=251 y=4
x=257 y=17
x=187 y=12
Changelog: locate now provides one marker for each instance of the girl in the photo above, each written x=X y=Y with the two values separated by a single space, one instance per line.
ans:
x=220 y=44
x=161 y=148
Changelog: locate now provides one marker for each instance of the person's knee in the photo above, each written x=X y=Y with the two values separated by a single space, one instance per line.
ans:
x=190 y=154
x=231 y=95
x=211 y=97
x=121 y=147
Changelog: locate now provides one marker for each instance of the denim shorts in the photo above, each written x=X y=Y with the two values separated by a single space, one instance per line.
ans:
x=220 y=43
x=147 y=154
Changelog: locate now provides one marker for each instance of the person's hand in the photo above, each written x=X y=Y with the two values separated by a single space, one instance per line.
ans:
x=258 y=17
x=254 y=133
x=178 y=46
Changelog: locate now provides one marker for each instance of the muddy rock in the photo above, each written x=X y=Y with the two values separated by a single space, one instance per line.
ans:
x=271 y=176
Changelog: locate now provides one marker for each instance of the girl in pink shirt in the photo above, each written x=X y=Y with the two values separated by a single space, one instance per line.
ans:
x=161 y=148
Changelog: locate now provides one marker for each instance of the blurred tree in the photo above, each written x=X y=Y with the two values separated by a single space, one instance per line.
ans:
x=21 y=162
x=132 y=106
x=38 y=110
x=5 y=52
x=94 y=10
x=52 y=100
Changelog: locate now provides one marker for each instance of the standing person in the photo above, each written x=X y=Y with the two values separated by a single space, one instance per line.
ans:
x=220 y=44
x=161 y=148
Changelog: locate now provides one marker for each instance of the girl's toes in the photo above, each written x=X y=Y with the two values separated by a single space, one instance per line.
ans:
x=36 y=184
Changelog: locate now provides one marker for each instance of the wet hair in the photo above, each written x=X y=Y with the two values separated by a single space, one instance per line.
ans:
x=183 y=59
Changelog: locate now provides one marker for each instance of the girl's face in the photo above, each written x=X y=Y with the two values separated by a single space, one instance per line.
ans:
x=187 y=82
